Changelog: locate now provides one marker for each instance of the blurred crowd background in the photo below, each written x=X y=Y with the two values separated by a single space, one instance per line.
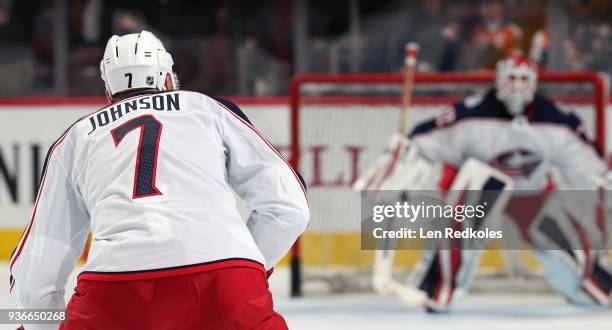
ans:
x=235 y=47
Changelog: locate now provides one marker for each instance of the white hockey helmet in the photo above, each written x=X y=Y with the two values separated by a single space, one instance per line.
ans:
x=135 y=61
x=516 y=80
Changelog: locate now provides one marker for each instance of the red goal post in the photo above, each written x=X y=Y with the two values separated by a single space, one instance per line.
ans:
x=598 y=99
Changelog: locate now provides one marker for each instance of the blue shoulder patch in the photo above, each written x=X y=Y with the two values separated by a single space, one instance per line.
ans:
x=234 y=108
x=423 y=127
x=472 y=107
x=546 y=111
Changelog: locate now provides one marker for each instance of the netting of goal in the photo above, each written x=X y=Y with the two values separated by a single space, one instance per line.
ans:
x=340 y=123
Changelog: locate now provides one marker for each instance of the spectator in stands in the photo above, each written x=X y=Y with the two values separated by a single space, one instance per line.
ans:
x=600 y=47
x=538 y=48
x=92 y=26
x=437 y=35
x=220 y=56
x=252 y=65
x=16 y=59
x=491 y=38
x=574 y=58
x=590 y=46
x=128 y=21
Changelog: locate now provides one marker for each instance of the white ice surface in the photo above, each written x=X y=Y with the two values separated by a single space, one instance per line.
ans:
x=368 y=311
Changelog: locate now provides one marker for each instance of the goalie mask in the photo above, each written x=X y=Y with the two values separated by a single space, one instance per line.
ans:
x=136 y=61
x=516 y=81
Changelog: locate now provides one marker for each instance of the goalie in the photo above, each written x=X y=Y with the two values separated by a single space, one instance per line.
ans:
x=509 y=132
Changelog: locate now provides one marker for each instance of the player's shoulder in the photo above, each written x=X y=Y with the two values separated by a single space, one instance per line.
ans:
x=218 y=105
x=548 y=112
x=66 y=143
x=232 y=107
x=481 y=106
x=474 y=107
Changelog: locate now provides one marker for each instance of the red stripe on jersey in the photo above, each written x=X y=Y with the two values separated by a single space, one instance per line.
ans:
x=268 y=144
x=169 y=272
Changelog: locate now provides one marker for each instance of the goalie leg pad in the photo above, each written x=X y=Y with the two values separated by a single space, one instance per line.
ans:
x=569 y=249
x=565 y=277
x=447 y=269
x=599 y=284
x=445 y=276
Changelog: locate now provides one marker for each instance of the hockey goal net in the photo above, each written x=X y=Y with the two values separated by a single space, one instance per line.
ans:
x=340 y=123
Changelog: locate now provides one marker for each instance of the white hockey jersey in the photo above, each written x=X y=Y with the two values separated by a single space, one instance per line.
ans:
x=525 y=147
x=151 y=176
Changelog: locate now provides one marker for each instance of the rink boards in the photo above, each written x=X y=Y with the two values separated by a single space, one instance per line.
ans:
x=27 y=130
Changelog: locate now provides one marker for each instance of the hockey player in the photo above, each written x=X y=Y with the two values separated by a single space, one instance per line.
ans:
x=521 y=134
x=151 y=175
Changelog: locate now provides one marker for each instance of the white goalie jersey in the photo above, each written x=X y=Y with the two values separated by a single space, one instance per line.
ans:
x=152 y=177
x=523 y=147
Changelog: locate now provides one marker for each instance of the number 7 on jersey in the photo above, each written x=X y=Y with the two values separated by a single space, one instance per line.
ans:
x=146 y=156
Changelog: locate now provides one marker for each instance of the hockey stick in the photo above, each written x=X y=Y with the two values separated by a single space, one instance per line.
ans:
x=376 y=179
x=382 y=279
x=412 y=50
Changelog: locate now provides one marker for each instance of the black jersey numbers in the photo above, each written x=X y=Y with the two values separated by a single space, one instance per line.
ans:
x=146 y=156
x=129 y=76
